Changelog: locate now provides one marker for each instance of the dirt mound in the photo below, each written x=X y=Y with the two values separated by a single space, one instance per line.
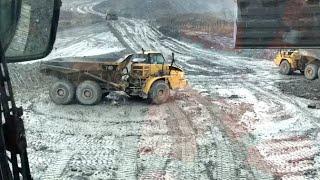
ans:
x=27 y=77
x=70 y=19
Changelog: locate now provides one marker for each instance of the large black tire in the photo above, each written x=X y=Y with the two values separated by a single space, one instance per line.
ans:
x=285 y=68
x=159 y=92
x=62 y=92
x=311 y=71
x=89 y=93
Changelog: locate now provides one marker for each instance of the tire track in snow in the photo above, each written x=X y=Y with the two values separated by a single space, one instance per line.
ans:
x=184 y=134
x=56 y=169
x=226 y=169
x=290 y=157
x=138 y=34
x=230 y=157
x=83 y=6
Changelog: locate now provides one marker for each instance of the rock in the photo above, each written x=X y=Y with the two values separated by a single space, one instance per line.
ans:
x=80 y=178
x=234 y=97
x=118 y=97
x=314 y=106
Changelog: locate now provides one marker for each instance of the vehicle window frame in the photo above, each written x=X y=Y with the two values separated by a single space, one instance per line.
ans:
x=152 y=55
x=12 y=7
x=52 y=37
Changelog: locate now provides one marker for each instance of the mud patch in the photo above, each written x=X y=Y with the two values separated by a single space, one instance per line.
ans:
x=301 y=88
x=210 y=68
x=233 y=114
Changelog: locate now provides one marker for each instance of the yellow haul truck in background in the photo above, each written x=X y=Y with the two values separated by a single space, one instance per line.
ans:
x=305 y=61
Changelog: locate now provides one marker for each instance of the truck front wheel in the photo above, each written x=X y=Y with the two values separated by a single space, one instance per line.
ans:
x=285 y=68
x=311 y=71
x=159 y=93
x=89 y=93
x=62 y=92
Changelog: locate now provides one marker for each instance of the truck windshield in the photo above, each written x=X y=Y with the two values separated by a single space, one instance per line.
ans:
x=157 y=59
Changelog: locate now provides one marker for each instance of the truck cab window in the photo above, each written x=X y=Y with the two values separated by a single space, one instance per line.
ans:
x=156 y=59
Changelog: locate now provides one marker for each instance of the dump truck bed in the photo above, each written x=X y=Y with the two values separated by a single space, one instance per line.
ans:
x=108 y=71
x=83 y=64
x=315 y=53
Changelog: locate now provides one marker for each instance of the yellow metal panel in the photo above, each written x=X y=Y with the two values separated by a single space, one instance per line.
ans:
x=156 y=68
x=278 y=59
x=177 y=80
x=292 y=59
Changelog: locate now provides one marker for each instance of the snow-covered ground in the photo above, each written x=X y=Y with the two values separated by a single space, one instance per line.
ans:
x=237 y=124
x=93 y=40
x=273 y=116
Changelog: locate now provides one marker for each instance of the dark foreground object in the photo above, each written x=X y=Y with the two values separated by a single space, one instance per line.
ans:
x=12 y=133
x=278 y=23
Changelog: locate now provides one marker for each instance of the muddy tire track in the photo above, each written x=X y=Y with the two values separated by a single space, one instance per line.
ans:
x=231 y=154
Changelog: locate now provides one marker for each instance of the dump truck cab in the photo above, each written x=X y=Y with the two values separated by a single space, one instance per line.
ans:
x=150 y=68
x=289 y=61
x=148 y=64
x=153 y=64
x=111 y=15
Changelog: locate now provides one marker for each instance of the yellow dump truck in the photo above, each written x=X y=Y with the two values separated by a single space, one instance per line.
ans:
x=302 y=60
x=146 y=74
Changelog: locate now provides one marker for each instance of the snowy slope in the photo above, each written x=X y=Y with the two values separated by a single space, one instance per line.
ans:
x=156 y=8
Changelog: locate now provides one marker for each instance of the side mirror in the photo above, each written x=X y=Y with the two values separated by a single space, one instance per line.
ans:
x=35 y=30
x=173 y=59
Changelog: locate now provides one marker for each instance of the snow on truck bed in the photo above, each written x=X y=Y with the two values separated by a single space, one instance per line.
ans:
x=74 y=62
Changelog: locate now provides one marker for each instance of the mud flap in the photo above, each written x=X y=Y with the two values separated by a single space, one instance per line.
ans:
x=277 y=24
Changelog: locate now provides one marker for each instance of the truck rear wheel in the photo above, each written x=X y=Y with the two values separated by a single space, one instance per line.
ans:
x=311 y=71
x=89 y=93
x=62 y=92
x=159 y=92
x=285 y=68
